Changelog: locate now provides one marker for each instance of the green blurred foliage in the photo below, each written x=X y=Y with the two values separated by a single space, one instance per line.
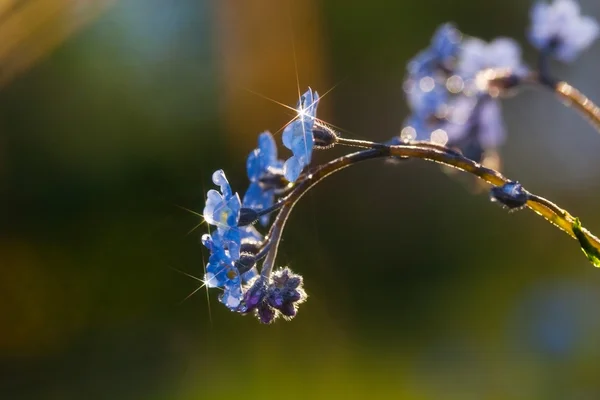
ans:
x=419 y=288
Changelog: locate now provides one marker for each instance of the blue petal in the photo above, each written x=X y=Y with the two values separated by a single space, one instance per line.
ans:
x=267 y=147
x=258 y=199
x=219 y=179
x=253 y=196
x=445 y=42
x=254 y=165
x=216 y=271
x=249 y=232
x=288 y=134
x=232 y=239
x=214 y=200
x=422 y=64
x=232 y=295
x=302 y=144
x=234 y=205
x=445 y=45
x=309 y=102
x=292 y=169
x=248 y=275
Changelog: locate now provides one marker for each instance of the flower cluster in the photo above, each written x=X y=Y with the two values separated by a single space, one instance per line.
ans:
x=225 y=244
x=448 y=103
x=561 y=30
x=236 y=245
x=453 y=90
x=298 y=136
x=450 y=95
x=268 y=298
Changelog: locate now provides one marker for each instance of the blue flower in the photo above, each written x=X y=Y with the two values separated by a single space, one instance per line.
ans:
x=222 y=209
x=425 y=96
x=475 y=125
x=442 y=51
x=221 y=270
x=425 y=88
x=298 y=136
x=263 y=167
x=560 y=29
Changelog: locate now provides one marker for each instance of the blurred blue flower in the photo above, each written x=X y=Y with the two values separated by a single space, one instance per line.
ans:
x=560 y=29
x=559 y=319
x=477 y=55
x=262 y=165
x=222 y=209
x=492 y=130
x=425 y=97
x=298 y=136
x=475 y=125
x=440 y=54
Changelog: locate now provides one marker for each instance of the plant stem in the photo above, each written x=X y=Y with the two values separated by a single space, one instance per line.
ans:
x=565 y=91
x=580 y=102
x=439 y=154
x=274 y=235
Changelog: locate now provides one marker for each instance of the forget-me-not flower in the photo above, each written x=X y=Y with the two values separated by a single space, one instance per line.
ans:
x=261 y=165
x=560 y=29
x=477 y=55
x=221 y=270
x=425 y=97
x=222 y=209
x=440 y=54
x=475 y=125
x=298 y=136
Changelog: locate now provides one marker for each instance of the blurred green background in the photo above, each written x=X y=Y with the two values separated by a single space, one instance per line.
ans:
x=419 y=287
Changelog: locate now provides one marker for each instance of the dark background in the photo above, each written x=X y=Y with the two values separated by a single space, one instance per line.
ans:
x=419 y=287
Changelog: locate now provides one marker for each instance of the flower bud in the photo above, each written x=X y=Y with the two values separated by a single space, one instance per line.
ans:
x=511 y=195
x=246 y=262
x=324 y=136
x=248 y=216
x=254 y=295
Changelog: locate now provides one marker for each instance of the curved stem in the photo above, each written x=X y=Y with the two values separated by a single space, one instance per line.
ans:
x=580 y=102
x=541 y=206
x=274 y=235
x=568 y=93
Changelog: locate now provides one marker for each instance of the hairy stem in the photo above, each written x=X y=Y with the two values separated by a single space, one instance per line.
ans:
x=580 y=102
x=542 y=77
x=439 y=154
x=274 y=235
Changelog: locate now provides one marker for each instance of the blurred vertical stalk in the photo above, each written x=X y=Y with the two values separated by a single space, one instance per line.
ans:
x=263 y=48
x=32 y=29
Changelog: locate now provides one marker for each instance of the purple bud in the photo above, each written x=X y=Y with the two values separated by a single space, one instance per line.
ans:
x=254 y=295
x=293 y=296
x=274 y=297
x=294 y=281
x=265 y=314
x=288 y=310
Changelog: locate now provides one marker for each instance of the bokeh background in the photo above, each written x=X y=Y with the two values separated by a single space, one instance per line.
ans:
x=113 y=114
